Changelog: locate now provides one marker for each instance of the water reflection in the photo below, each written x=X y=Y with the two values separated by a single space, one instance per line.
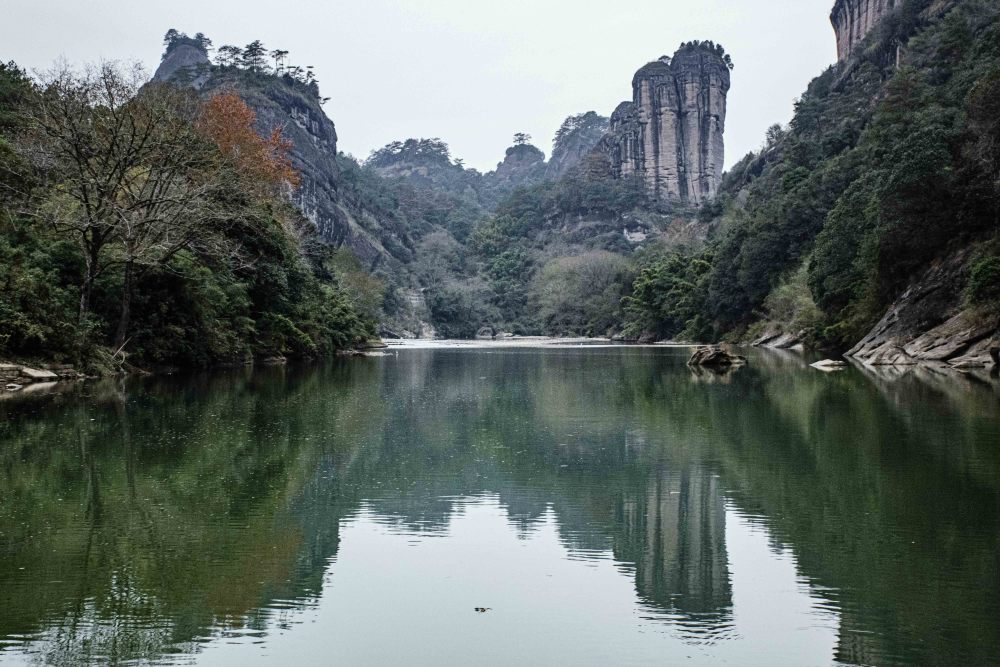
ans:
x=171 y=516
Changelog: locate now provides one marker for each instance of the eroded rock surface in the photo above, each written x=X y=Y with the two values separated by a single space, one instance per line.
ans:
x=293 y=106
x=523 y=164
x=853 y=19
x=671 y=133
x=930 y=323
x=712 y=356
x=15 y=376
x=576 y=138
x=780 y=340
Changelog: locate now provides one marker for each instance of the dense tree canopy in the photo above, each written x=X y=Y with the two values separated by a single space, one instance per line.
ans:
x=881 y=171
x=147 y=220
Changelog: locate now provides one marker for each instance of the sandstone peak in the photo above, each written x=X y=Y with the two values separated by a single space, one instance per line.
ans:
x=179 y=60
x=576 y=137
x=671 y=133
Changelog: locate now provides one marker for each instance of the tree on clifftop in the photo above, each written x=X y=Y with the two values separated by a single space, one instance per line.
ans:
x=279 y=56
x=253 y=56
x=229 y=56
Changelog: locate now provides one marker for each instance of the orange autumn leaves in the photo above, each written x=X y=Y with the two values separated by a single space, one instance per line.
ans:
x=229 y=122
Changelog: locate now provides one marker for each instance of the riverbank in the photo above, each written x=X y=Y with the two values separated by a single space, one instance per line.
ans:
x=521 y=341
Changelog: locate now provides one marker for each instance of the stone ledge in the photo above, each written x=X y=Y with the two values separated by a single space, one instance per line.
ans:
x=15 y=377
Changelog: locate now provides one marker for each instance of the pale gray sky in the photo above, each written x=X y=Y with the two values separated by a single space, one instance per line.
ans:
x=471 y=72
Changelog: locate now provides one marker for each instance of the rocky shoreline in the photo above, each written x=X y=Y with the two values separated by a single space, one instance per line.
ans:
x=15 y=377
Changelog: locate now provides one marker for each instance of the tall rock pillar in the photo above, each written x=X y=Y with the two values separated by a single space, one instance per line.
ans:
x=671 y=134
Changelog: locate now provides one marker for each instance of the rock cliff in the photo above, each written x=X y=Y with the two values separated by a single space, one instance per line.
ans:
x=853 y=19
x=671 y=133
x=281 y=101
x=577 y=137
x=522 y=163
x=930 y=322
x=185 y=61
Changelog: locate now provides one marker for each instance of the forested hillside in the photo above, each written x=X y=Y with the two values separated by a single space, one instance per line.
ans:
x=142 y=223
x=886 y=169
x=872 y=217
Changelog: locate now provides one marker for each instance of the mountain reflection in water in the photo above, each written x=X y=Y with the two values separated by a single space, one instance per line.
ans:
x=607 y=505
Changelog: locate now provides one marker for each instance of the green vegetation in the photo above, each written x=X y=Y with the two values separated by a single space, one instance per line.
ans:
x=708 y=45
x=984 y=282
x=885 y=168
x=140 y=222
x=252 y=59
x=881 y=171
x=547 y=253
x=581 y=294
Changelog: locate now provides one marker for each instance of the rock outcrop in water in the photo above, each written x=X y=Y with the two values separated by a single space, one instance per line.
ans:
x=715 y=357
x=671 y=133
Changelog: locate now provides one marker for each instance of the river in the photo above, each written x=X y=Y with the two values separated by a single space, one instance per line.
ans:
x=596 y=505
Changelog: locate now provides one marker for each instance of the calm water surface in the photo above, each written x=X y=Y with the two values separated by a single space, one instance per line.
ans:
x=607 y=505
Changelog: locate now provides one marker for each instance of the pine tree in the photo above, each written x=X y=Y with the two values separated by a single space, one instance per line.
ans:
x=253 y=56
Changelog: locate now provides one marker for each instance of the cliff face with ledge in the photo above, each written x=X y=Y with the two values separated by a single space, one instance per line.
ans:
x=853 y=19
x=280 y=101
x=671 y=133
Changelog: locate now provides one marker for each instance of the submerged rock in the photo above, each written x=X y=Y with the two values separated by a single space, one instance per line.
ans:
x=713 y=356
x=829 y=365
x=40 y=387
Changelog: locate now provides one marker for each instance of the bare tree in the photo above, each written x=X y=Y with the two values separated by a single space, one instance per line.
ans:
x=132 y=177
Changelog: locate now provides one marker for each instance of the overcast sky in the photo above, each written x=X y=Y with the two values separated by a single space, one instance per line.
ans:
x=472 y=72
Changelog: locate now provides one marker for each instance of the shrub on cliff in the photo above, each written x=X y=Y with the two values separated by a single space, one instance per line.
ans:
x=984 y=282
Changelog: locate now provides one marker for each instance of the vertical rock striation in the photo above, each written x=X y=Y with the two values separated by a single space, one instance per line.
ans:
x=853 y=19
x=671 y=133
